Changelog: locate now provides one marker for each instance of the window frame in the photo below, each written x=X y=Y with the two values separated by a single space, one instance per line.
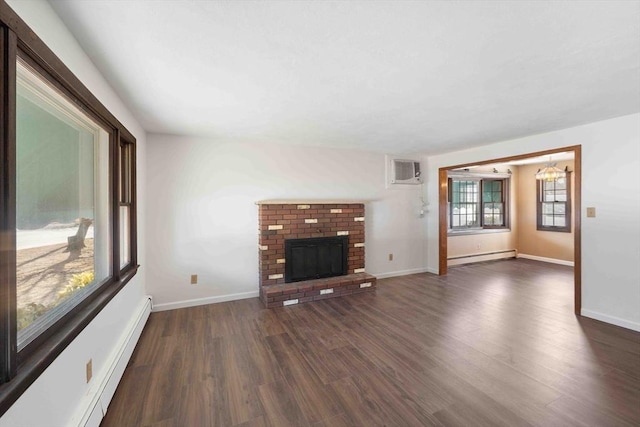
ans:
x=505 y=197
x=127 y=195
x=477 y=204
x=481 y=178
x=18 y=370
x=567 y=207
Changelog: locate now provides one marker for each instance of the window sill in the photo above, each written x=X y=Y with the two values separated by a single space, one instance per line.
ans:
x=556 y=230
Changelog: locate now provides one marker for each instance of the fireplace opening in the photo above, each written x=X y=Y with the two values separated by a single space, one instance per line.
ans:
x=315 y=258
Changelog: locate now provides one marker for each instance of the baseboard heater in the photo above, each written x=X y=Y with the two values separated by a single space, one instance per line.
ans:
x=484 y=256
x=94 y=407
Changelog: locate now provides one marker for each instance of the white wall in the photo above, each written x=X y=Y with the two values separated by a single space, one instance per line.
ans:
x=55 y=396
x=202 y=218
x=610 y=182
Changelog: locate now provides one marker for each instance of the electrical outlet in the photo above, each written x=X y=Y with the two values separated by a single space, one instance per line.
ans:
x=194 y=279
x=390 y=257
x=89 y=370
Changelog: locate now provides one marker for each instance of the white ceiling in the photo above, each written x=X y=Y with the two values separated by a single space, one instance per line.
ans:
x=386 y=75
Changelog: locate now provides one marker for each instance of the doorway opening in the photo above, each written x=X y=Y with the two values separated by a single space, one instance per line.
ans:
x=443 y=174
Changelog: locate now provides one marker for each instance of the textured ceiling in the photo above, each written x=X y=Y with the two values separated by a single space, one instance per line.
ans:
x=385 y=76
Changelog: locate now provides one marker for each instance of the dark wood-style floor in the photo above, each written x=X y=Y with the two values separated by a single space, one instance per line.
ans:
x=490 y=344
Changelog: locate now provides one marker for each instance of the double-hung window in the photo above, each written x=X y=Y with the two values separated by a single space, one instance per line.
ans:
x=67 y=211
x=477 y=203
x=493 y=203
x=554 y=204
x=464 y=196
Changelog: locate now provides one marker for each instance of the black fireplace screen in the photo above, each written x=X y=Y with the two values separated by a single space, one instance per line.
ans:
x=315 y=258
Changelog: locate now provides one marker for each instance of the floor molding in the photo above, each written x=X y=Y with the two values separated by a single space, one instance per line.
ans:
x=545 y=259
x=634 y=326
x=403 y=272
x=432 y=270
x=205 y=301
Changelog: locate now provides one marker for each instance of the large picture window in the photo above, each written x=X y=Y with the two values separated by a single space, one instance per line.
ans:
x=62 y=204
x=67 y=207
x=477 y=203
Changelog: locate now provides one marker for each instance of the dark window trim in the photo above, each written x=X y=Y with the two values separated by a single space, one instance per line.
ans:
x=23 y=368
x=8 y=345
x=567 y=209
x=482 y=228
x=128 y=196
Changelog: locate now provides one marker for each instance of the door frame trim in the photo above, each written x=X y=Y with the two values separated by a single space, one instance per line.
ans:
x=577 y=248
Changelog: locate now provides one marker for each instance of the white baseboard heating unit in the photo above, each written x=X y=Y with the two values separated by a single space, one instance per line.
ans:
x=94 y=407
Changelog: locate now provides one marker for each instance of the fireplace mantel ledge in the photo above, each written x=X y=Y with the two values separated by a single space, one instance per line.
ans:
x=312 y=201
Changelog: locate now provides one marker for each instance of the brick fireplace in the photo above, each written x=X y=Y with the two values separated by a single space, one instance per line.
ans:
x=284 y=220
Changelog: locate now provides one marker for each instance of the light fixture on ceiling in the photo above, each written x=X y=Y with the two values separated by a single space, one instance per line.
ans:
x=550 y=172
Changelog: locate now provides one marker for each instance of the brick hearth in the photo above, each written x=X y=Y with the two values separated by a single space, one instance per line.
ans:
x=280 y=220
x=314 y=290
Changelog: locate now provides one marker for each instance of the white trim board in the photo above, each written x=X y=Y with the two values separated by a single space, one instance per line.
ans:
x=204 y=301
x=545 y=259
x=432 y=271
x=634 y=326
x=403 y=272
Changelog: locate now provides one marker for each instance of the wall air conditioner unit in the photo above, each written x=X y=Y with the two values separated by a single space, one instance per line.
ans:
x=405 y=172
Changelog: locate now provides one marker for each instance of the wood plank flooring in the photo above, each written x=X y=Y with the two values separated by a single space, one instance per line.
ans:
x=490 y=344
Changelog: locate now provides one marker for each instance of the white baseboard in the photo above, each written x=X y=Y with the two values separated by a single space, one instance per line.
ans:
x=94 y=406
x=634 y=326
x=545 y=259
x=204 y=301
x=402 y=273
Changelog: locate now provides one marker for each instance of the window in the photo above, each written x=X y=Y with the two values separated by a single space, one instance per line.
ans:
x=127 y=162
x=493 y=207
x=67 y=211
x=554 y=204
x=465 y=204
x=477 y=203
x=62 y=204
